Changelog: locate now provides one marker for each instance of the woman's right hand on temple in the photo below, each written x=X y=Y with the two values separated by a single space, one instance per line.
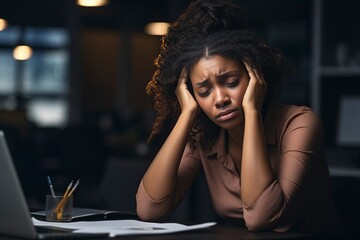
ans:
x=186 y=100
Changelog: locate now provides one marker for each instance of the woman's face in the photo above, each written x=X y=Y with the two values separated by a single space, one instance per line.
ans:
x=219 y=85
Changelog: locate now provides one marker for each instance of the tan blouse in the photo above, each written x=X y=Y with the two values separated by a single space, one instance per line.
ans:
x=299 y=199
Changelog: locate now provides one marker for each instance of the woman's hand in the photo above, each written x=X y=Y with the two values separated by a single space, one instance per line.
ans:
x=186 y=100
x=256 y=90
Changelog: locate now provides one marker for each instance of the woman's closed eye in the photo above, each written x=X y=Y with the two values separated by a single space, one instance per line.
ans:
x=203 y=92
x=231 y=82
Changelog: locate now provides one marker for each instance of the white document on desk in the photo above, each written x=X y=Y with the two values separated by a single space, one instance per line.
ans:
x=123 y=227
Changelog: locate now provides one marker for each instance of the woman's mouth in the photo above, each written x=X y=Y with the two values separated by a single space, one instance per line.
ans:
x=227 y=115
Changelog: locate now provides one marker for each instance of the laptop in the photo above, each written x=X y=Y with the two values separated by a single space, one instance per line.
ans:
x=15 y=218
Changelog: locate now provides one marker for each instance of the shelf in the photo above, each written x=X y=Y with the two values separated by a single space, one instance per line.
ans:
x=333 y=82
x=340 y=71
x=344 y=172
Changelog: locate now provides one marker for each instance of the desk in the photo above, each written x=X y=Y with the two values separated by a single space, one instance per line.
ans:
x=222 y=232
x=218 y=232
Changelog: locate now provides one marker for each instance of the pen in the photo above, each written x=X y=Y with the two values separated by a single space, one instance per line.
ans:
x=51 y=186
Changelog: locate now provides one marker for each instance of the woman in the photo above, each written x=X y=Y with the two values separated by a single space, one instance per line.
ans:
x=216 y=85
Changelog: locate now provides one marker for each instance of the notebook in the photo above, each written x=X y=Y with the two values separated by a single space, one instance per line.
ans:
x=90 y=214
x=15 y=218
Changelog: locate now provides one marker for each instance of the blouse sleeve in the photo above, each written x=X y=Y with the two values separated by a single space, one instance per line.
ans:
x=281 y=205
x=154 y=210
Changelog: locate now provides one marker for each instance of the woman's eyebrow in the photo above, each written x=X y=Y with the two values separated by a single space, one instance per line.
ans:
x=202 y=83
x=220 y=77
x=225 y=75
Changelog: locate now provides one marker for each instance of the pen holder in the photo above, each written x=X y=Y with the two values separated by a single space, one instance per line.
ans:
x=59 y=208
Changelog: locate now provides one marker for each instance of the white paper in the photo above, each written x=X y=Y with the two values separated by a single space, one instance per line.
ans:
x=123 y=227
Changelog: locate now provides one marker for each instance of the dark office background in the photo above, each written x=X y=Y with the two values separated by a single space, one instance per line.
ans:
x=78 y=108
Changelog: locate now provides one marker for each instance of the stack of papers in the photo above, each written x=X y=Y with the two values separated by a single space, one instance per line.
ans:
x=122 y=227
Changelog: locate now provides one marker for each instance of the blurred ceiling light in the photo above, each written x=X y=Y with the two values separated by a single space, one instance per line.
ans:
x=3 y=24
x=22 y=52
x=157 y=28
x=92 y=3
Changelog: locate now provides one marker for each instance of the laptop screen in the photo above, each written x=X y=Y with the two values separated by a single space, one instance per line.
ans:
x=15 y=218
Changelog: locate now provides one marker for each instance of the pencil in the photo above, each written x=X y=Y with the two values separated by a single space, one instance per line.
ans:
x=59 y=208
x=73 y=189
x=51 y=186
x=62 y=202
x=68 y=188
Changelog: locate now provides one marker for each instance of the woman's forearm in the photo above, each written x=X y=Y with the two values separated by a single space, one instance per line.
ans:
x=256 y=172
x=160 y=180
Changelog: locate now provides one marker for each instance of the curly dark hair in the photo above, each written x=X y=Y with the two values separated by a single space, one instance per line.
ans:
x=217 y=28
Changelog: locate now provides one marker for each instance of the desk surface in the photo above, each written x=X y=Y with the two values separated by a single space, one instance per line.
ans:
x=221 y=232
x=218 y=232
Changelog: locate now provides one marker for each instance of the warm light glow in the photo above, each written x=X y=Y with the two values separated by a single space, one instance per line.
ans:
x=22 y=52
x=48 y=113
x=92 y=3
x=157 y=28
x=3 y=24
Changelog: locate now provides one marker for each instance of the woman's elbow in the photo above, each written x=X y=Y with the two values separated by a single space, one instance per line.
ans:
x=260 y=223
x=275 y=222
x=257 y=226
x=150 y=213
x=145 y=212
x=145 y=215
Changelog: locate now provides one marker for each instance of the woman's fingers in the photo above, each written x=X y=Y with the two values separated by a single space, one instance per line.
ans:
x=182 y=78
x=186 y=100
x=253 y=73
x=256 y=91
x=181 y=84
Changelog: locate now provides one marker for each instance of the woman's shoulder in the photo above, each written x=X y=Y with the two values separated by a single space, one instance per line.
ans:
x=293 y=116
x=292 y=120
x=291 y=111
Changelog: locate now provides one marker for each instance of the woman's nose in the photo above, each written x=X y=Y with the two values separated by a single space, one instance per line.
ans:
x=221 y=98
